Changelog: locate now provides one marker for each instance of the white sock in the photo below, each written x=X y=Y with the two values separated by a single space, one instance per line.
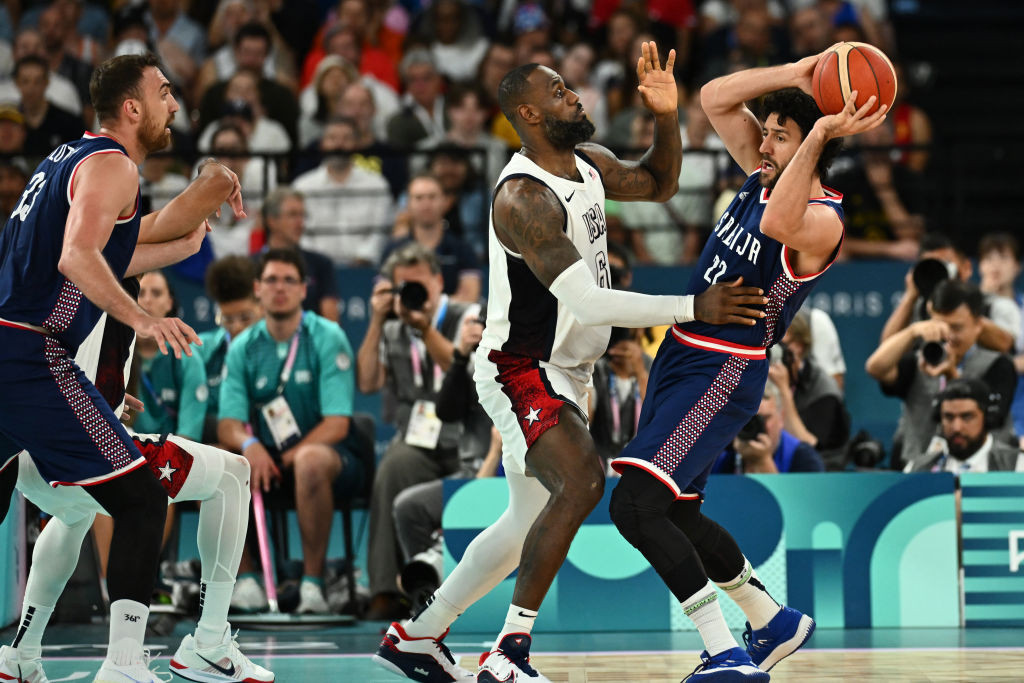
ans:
x=703 y=608
x=435 y=618
x=29 y=638
x=128 y=621
x=749 y=593
x=518 y=620
x=214 y=603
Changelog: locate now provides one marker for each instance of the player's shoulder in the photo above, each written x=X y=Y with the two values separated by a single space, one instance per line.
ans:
x=320 y=328
x=247 y=337
x=525 y=193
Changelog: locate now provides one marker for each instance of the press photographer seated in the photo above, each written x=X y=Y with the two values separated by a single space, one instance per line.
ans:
x=965 y=412
x=919 y=360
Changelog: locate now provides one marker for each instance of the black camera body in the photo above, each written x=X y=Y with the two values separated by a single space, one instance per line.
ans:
x=933 y=353
x=754 y=428
x=412 y=295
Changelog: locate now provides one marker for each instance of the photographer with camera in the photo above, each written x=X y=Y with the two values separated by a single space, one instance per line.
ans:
x=940 y=260
x=918 y=362
x=763 y=446
x=966 y=411
x=408 y=354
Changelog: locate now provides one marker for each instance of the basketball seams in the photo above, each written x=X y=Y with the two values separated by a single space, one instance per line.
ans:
x=874 y=76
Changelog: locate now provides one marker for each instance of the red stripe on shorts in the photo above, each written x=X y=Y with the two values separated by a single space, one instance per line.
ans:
x=532 y=398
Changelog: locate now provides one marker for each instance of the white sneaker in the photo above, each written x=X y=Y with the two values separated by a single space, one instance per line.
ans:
x=14 y=666
x=510 y=663
x=248 y=596
x=222 y=663
x=126 y=662
x=311 y=599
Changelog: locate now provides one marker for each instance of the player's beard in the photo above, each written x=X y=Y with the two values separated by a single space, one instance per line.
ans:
x=155 y=136
x=962 y=448
x=776 y=174
x=567 y=134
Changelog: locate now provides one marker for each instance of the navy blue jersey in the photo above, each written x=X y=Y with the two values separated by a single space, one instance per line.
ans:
x=32 y=290
x=738 y=247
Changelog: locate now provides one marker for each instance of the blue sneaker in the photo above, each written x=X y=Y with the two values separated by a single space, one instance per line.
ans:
x=730 y=666
x=510 y=663
x=782 y=636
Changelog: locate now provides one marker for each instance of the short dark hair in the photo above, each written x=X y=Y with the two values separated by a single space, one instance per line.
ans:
x=972 y=388
x=411 y=254
x=253 y=29
x=950 y=295
x=291 y=256
x=425 y=174
x=933 y=241
x=513 y=88
x=999 y=241
x=117 y=79
x=230 y=279
x=31 y=60
x=460 y=91
x=793 y=103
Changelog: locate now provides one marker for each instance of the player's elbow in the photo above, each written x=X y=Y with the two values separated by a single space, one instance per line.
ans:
x=709 y=96
x=667 y=190
x=876 y=368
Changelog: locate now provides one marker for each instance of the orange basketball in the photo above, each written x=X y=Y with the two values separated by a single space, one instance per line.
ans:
x=853 y=66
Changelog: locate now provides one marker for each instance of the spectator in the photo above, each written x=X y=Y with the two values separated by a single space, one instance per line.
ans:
x=379 y=47
x=56 y=34
x=179 y=41
x=884 y=202
x=291 y=20
x=906 y=366
x=409 y=356
x=91 y=21
x=1001 y=321
x=810 y=31
x=466 y=108
x=319 y=101
x=349 y=207
x=422 y=112
x=245 y=44
x=812 y=402
x=618 y=61
x=826 y=350
x=466 y=197
x=620 y=385
x=344 y=42
x=912 y=128
x=229 y=283
x=764 y=446
x=359 y=104
x=426 y=226
x=498 y=61
x=59 y=89
x=233 y=235
x=302 y=410
x=531 y=28
x=453 y=33
x=12 y=131
x=173 y=390
x=252 y=52
x=284 y=222
x=242 y=101
x=159 y=179
x=46 y=124
x=999 y=266
x=13 y=177
x=965 y=412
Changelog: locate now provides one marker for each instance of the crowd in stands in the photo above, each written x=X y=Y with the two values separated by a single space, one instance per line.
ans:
x=366 y=133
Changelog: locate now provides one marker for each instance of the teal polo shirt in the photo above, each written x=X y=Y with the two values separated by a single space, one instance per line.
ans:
x=322 y=381
x=174 y=392
x=213 y=352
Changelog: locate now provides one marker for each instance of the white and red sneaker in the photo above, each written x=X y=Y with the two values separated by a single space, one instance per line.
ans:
x=419 y=659
x=16 y=667
x=222 y=663
x=510 y=663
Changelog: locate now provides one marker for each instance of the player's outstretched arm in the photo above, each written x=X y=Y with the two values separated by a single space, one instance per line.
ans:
x=105 y=187
x=148 y=257
x=656 y=176
x=214 y=185
x=529 y=220
x=724 y=101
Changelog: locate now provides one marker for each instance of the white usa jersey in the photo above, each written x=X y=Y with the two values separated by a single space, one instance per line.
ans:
x=523 y=317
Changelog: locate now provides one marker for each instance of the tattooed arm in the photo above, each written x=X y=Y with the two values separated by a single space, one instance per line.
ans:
x=529 y=220
x=656 y=176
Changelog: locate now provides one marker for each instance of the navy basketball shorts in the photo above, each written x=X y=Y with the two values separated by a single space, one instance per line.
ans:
x=697 y=400
x=50 y=409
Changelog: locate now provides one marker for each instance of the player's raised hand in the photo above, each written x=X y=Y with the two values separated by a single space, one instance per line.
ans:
x=170 y=333
x=851 y=121
x=725 y=303
x=657 y=85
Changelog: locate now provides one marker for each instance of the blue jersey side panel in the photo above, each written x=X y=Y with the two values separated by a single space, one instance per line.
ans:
x=32 y=290
x=737 y=247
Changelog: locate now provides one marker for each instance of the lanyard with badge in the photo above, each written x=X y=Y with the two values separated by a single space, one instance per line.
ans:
x=616 y=410
x=424 y=429
x=276 y=413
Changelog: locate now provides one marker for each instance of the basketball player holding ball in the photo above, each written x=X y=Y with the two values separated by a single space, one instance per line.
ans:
x=780 y=233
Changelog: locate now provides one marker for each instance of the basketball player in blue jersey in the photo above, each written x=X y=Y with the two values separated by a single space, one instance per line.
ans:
x=548 y=320
x=783 y=229
x=70 y=240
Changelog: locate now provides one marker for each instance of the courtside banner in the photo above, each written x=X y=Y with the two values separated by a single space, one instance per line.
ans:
x=853 y=550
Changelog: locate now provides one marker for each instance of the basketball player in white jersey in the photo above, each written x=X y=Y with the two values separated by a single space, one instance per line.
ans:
x=549 y=319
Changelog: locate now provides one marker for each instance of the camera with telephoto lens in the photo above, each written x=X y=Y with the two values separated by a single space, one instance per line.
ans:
x=933 y=353
x=929 y=272
x=753 y=429
x=412 y=295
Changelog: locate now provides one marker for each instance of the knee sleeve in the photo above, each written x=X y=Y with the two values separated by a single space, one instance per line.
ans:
x=638 y=501
x=54 y=559
x=717 y=548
